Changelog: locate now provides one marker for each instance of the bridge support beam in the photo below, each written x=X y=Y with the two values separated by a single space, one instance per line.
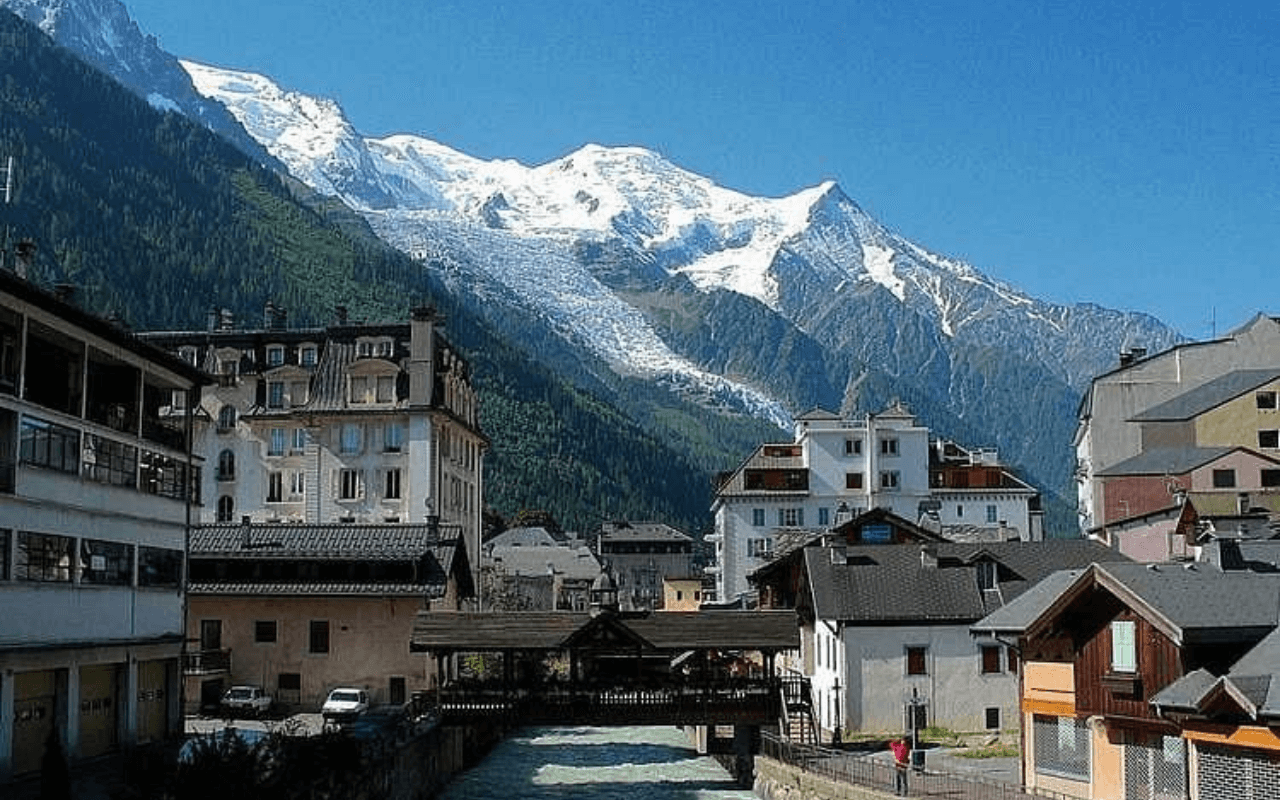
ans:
x=746 y=741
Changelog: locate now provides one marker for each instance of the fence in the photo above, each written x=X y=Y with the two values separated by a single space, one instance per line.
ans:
x=861 y=769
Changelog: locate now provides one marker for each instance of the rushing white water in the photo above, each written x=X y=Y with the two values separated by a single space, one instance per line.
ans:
x=635 y=763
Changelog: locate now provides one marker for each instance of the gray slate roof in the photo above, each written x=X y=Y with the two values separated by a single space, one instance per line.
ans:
x=336 y=541
x=883 y=584
x=1253 y=683
x=574 y=563
x=314 y=589
x=1166 y=461
x=1206 y=396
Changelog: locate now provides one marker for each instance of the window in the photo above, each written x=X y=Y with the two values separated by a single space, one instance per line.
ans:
x=1012 y=656
x=991 y=514
x=1224 y=478
x=299 y=443
x=276 y=446
x=1062 y=746
x=318 y=640
x=790 y=517
x=853 y=480
x=888 y=447
x=226 y=419
x=824 y=516
x=275 y=355
x=852 y=447
x=106 y=563
x=959 y=510
x=916 y=661
x=297 y=485
x=757 y=517
x=987 y=574
x=386 y=388
x=364 y=349
x=359 y=389
x=391 y=484
x=4 y=554
x=889 y=479
x=307 y=356
x=226 y=508
x=384 y=349
x=990 y=660
x=43 y=557
x=188 y=354
x=159 y=567
x=264 y=631
x=392 y=437
x=297 y=393
x=1270 y=478
x=1266 y=401
x=758 y=548
x=45 y=444
x=1269 y=440
x=350 y=442
x=350 y=484
x=275 y=394
x=226 y=466
x=107 y=461
x=1124 y=657
x=275 y=487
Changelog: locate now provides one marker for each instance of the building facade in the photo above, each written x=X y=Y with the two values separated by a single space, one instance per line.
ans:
x=349 y=423
x=1110 y=428
x=835 y=469
x=97 y=483
x=302 y=609
x=640 y=556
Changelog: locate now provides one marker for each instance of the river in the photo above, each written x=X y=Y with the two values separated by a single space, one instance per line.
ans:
x=635 y=763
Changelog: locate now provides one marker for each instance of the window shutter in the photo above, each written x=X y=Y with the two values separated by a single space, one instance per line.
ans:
x=260 y=394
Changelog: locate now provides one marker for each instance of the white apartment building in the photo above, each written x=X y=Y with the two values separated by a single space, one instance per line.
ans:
x=96 y=484
x=837 y=468
x=348 y=423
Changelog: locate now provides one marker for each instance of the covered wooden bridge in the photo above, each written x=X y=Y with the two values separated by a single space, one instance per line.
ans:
x=668 y=668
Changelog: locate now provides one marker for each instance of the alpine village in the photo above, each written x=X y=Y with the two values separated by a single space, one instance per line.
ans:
x=283 y=516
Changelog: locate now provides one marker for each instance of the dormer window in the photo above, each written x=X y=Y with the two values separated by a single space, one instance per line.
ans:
x=386 y=388
x=359 y=389
x=275 y=394
x=275 y=355
x=227 y=418
x=988 y=575
x=364 y=349
x=384 y=349
x=188 y=354
x=308 y=355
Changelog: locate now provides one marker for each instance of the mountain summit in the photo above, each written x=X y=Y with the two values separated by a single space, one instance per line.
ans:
x=615 y=266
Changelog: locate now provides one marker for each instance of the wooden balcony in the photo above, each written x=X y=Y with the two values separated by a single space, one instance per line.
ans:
x=206 y=662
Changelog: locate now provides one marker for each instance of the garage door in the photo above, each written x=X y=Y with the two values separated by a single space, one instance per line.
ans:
x=34 y=706
x=153 y=700
x=99 y=709
x=1237 y=774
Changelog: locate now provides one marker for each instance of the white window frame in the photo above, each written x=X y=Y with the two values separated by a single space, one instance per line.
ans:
x=1124 y=646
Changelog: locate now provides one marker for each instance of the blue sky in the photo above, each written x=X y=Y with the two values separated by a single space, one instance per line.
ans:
x=1126 y=154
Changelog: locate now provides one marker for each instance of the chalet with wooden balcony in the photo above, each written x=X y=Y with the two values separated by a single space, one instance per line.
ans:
x=1148 y=680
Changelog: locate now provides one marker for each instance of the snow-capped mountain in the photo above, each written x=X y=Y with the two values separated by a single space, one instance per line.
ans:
x=102 y=33
x=630 y=267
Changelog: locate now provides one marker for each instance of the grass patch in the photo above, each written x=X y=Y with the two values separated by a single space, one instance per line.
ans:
x=991 y=751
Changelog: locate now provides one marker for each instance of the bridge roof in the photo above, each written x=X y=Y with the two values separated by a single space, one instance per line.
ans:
x=673 y=631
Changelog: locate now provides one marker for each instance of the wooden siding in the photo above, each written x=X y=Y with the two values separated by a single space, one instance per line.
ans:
x=1099 y=690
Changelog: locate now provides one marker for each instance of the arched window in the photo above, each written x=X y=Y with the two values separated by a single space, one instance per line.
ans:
x=226 y=508
x=227 y=418
x=226 y=465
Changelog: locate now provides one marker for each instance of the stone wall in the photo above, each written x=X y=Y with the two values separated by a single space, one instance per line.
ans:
x=778 y=781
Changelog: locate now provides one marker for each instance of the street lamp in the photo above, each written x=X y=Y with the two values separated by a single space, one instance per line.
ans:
x=836 y=737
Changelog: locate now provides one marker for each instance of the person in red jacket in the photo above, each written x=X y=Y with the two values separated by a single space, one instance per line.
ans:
x=901 y=758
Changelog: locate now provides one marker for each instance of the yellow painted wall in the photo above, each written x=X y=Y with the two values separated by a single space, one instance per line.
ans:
x=1237 y=422
x=1107 y=763
x=368 y=642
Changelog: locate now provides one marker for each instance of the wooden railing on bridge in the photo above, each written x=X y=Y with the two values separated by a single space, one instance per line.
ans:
x=742 y=701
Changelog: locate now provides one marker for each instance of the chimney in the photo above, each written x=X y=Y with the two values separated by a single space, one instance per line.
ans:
x=421 y=356
x=211 y=319
x=226 y=320
x=269 y=316
x=246 y=532
x=64 y=291
x=929 y=556
x=279 y=320
x=341 y=313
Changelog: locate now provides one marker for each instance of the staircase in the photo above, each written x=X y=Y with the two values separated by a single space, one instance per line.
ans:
x=797 y=724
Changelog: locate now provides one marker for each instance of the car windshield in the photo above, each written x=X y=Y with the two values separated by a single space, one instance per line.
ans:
x=345 y=697
x=240 y=694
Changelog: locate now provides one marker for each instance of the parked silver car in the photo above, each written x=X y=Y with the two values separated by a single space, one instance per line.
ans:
x=344 y=705
x=246 y=700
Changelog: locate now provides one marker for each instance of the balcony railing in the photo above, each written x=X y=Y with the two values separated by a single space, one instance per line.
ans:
x=206 y=662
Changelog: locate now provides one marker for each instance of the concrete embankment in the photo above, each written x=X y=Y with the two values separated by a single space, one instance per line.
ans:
x=778 y=781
